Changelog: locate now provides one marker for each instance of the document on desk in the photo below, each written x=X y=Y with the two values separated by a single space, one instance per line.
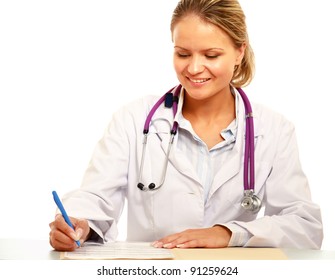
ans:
x=117 y=250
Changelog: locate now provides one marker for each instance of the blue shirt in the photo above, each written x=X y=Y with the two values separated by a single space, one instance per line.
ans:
x=206 y=161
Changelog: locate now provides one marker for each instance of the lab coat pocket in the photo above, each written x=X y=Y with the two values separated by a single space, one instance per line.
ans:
x=176 y=211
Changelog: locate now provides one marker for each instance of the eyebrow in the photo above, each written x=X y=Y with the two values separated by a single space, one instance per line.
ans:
x=210 y=49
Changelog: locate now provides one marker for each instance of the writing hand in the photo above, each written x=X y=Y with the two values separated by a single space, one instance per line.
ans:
x=62 y=236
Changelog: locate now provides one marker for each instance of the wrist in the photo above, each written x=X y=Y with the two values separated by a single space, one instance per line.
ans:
x=225 y=231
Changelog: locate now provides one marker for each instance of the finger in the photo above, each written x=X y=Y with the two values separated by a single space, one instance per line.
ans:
x=82 y=229
x=51 y=225
x=173 y=240
x=63 y=227
x=62 y=236
x=172 y=237
x=192 y=238
x=182 y=239
x=161 y=243
x=195 y=243
x=215 y=237
x=61 y=242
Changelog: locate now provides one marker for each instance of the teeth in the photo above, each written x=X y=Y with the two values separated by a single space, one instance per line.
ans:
x=199 y=80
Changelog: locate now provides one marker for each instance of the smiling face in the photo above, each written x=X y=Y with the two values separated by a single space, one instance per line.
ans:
x=204 y=57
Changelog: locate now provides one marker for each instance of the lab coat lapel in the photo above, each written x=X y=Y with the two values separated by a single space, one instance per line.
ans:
x=234 y=164
x=162 y=126
x=230 y=168
x=179 y=160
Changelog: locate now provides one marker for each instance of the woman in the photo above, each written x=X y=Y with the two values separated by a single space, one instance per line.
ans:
x=199 y=202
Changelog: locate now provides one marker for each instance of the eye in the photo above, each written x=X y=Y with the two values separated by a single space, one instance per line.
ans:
x=182 y=55
x=211 y=56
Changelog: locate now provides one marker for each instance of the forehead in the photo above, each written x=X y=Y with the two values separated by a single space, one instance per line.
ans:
x=192 y=32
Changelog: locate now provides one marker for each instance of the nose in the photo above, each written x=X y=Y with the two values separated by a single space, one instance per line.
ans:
x=195 y=65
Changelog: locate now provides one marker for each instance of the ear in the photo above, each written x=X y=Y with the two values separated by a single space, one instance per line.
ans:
x=240 y=54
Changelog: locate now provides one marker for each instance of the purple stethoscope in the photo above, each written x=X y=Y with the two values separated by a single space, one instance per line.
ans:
x=250 y=201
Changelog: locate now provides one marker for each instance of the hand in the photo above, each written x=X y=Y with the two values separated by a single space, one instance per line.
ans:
x=63 y=237
x=214 y=237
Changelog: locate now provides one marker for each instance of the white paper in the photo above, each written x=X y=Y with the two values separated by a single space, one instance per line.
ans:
x=118 y=250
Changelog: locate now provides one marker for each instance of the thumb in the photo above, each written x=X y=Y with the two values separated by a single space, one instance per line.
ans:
x=78 y=233
x=82 y=229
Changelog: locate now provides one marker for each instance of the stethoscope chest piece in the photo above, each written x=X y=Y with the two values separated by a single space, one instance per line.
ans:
x=251 y=202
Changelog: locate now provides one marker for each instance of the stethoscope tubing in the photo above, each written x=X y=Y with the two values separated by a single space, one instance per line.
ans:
x=175 y=91
x=249 y=157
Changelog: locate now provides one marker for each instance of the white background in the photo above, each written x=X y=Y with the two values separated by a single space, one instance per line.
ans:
x=65 y=66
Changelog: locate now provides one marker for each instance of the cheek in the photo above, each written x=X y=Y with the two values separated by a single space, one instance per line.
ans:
x=221 y=69
x=178 y=65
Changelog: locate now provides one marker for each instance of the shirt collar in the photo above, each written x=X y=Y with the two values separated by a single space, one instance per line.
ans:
x=228 y=133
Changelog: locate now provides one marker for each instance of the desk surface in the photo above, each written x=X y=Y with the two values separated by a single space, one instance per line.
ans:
x=20 y=249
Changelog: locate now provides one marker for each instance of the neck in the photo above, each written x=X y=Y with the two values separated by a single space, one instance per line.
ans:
x=219 y=108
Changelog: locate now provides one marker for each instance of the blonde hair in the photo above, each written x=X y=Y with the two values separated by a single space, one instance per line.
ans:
x=229 y=16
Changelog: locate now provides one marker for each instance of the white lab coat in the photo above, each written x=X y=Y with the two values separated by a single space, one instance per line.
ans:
x=290 y=218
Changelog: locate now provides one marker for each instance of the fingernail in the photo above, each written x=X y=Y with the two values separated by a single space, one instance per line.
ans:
x=167 y=245
x=180 y=246
x=73 y=235
x=158 y=244
x=79 y=233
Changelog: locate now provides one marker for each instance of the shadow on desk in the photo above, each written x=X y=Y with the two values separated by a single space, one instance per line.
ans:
x=21 y=249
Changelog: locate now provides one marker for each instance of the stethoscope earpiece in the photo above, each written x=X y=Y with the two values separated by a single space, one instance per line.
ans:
x=140 y=186
x=152 y=186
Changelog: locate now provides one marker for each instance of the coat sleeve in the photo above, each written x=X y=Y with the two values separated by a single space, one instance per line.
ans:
x=100 y=199
x=291 y=219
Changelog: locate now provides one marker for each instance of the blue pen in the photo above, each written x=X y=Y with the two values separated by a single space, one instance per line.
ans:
x=62 y=210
